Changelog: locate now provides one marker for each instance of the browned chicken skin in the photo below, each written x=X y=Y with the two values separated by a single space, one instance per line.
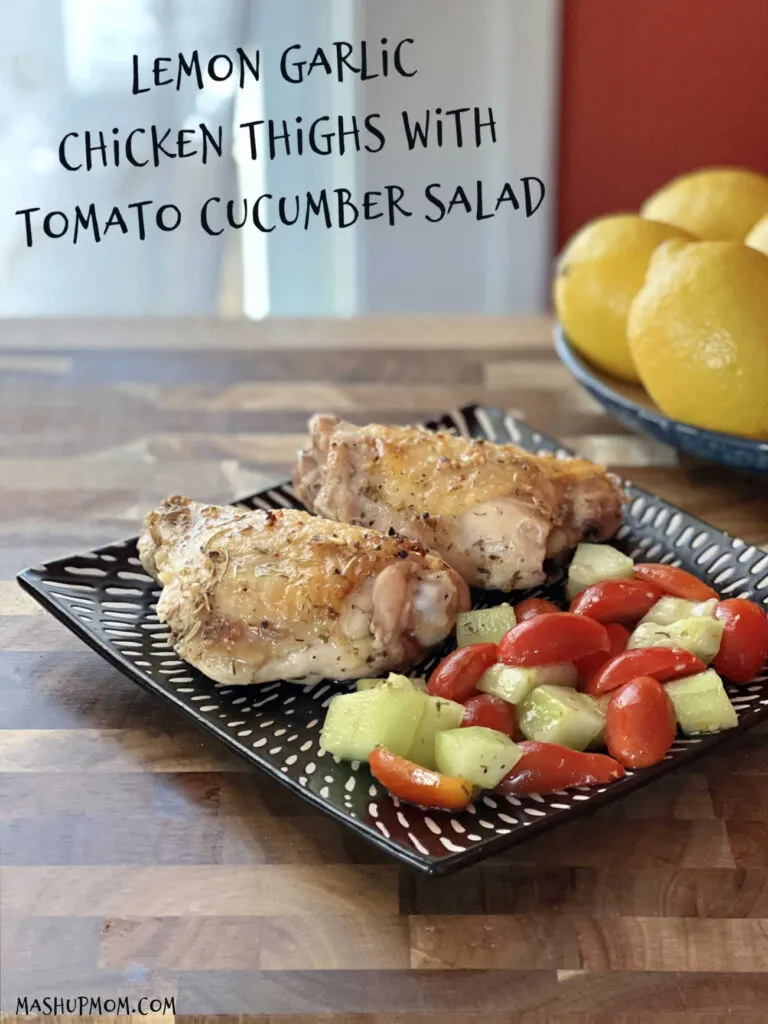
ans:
x=496 y=513
x=252 y=597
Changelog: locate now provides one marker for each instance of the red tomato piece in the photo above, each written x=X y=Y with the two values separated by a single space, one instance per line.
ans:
x=545 y=767
x=533 y=606
x=617 y=600
x=674 y=581
x=549 y=638
x=457 y=674
x=416 y=785
x=491 y=712
x=589 y=665
x=640 y=723
x=662 y=663
x=744 y=646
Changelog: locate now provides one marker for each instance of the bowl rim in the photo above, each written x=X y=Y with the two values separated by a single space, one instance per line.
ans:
x=585 y=375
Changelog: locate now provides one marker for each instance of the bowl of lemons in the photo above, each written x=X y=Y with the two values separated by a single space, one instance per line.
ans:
x=663 y=315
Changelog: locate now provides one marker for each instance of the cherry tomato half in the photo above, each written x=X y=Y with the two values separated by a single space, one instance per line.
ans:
x=533 y=606
x=617 y=600
x=491 y=712
x=744 y=645
x=589 y=665
x=674 y=581
x=545 y=767
x=661 y=663
x=551 y=638
x=640 y=723
x=456 y=676
x=417 y=785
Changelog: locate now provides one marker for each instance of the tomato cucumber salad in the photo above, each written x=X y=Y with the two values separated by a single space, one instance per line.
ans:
x=537 y=699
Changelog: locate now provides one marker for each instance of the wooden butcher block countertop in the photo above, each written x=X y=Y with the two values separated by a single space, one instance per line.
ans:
x=140 y=858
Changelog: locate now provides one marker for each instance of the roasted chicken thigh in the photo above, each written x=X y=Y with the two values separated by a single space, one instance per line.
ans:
x=254 y=596
x=496 y=513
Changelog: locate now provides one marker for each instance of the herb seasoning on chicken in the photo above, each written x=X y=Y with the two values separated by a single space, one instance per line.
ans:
x=253 y=596
x=496 y=513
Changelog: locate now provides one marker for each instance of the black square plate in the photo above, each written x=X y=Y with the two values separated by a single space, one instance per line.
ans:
x=105 y=598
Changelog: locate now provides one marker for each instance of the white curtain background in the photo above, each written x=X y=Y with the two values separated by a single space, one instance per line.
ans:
x=65 y=65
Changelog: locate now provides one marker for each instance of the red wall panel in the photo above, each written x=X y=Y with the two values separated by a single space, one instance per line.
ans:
x=653 y=88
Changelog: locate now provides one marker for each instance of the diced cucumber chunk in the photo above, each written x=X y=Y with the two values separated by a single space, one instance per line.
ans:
x=393 y=679
x=668 y=610
x=482 y=756
x=387 y=716
x=513 y=684
x=671 y=609
x=704 y=609
x=593 y=563
x=557 y=714
x=440 y=714
x=701 y=635
x=650 y=634
x=485 y=625
x=368 y=684
x=601 y=703
x=701 y=703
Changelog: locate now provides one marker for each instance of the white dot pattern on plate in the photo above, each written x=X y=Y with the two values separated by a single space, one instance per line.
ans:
x=105 y=596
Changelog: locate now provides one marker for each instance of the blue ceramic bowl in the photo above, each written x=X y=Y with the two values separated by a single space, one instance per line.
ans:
x=632 y=407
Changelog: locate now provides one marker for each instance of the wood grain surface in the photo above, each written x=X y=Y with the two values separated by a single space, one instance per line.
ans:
x=139 y=858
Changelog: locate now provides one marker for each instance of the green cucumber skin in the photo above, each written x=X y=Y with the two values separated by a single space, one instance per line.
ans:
x=484 y=625
x=482 y=756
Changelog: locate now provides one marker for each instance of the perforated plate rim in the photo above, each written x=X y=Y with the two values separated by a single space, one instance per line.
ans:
x=536 y=814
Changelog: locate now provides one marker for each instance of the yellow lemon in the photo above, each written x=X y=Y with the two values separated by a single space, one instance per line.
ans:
x=598 y=274
x=698 y=333
x=758 y=236
x=715 y=203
